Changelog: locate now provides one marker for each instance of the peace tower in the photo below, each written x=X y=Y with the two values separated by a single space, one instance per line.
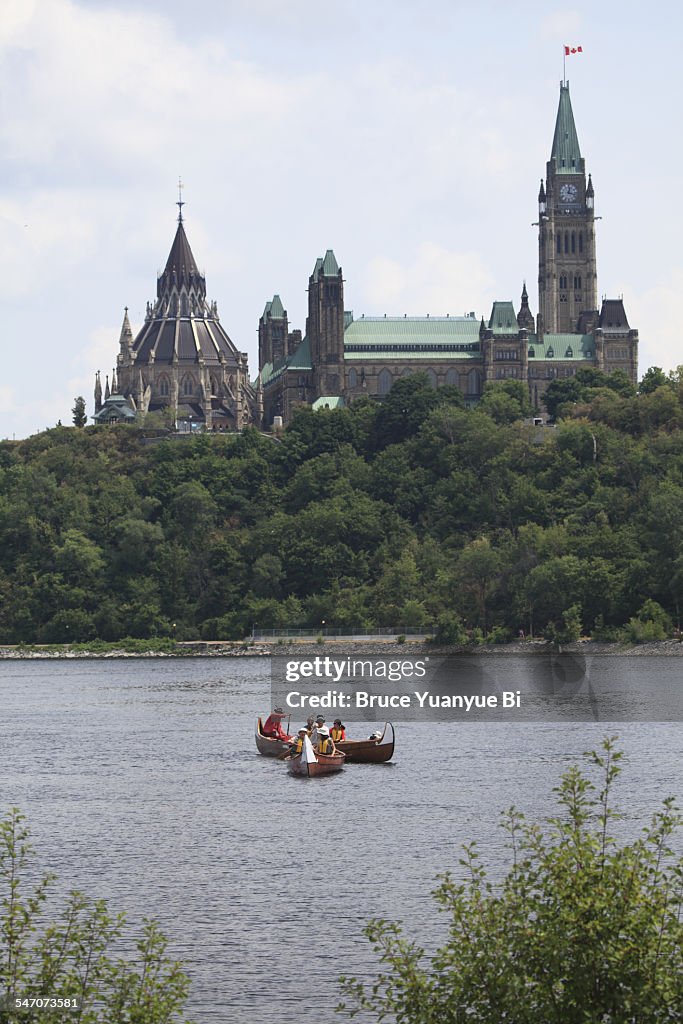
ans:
x=567 y=277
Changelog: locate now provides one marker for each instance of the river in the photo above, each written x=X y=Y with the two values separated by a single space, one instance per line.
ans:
x=141 y=784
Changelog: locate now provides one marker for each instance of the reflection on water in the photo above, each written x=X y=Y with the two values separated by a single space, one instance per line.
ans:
x=142 y=784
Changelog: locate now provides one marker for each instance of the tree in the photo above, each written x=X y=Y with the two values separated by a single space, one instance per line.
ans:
x=560 y=393
x=68 y=955
x=404 y=410
x=583 y=930
x=79 y=417
x=478 y=572
x=506 y=401
x=653 y=378
x=584 y=386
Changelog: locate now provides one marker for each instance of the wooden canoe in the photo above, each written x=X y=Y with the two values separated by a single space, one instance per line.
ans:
x=310 y=764
x=268 y=746
x=370 y=751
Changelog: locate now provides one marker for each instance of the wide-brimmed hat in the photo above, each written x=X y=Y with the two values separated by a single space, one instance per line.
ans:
x=280 y=712
x=323 y=732
x=320 y=718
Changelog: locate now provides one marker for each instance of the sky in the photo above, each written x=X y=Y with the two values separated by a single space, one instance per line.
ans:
x=409 y=137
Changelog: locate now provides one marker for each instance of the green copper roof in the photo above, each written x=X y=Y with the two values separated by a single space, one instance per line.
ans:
x=330 y=265
x=277 y=311
x=566 y=151
x=275 y=308
x=115 y=405
x=562 y=347
x=327 y=267
x=299 y=360
x=331 y=402
x=407 y=355
x=412 y=337
x=317 y=268
x=503 y=318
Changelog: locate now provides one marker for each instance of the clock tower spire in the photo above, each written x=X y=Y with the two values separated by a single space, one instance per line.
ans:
x=567 y=278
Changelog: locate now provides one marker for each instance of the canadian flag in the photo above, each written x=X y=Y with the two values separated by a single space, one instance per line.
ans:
x=572 y=49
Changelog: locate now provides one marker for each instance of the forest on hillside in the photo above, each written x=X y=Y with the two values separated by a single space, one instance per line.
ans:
x=415 y=512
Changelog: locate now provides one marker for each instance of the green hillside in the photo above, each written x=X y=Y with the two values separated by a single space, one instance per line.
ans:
x=417 y=512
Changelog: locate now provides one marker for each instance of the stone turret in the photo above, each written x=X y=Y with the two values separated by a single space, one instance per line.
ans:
x=525 y=318
x=182 y=358
x=325 y=325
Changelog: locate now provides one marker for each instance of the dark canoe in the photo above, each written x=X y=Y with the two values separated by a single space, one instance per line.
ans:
x=267 y=746
x=370 y=751
x=310 y=764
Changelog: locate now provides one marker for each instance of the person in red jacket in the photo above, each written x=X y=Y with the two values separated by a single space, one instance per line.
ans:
x=273 y=726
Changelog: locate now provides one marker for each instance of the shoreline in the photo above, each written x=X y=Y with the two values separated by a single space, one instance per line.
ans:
x=265 y=649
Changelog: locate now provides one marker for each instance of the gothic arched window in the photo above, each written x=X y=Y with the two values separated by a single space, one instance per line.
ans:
x=163 y=387
x=452 y=376
x=384 y=382
x=573 y=242
x=431 y=374
x=353 y=377
x=188 y=385
x=559 y=243
x=580 y=241
x=474 y=382
x=566 y=241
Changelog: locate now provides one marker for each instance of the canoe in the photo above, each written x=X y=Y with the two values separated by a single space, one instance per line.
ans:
x=310 y=764
x=370 y=751
x=266 y=745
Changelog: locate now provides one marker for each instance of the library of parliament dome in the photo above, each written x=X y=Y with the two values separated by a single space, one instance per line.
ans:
x=183 y=361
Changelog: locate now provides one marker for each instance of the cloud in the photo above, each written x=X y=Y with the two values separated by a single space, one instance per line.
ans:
x=437 y=281
x=16 y=16
x=656 y=313
x=104 y=92
x=561 y=25
x=7 y=399
x=43 y=235
x=98 y=352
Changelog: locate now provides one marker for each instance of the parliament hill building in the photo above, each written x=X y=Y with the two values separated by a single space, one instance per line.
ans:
x=183 y=360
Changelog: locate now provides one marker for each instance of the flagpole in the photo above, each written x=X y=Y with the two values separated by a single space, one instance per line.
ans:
x=564 y=65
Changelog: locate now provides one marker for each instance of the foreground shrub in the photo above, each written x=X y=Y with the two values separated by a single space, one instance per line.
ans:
x=68 y=954
x=582 y=930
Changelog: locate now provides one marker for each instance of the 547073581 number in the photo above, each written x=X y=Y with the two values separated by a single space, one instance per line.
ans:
x=23 y=1002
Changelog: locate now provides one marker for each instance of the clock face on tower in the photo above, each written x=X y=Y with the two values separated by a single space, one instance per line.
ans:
x=569 y=193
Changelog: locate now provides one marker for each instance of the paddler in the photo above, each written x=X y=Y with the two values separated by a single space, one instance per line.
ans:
x=338 y=731
x=273 y=726
x=325 y=744
x=298 y=745
x=319 y=724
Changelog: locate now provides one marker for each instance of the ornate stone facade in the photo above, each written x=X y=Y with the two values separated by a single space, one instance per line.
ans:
x=340 y=358
x=182 y=361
